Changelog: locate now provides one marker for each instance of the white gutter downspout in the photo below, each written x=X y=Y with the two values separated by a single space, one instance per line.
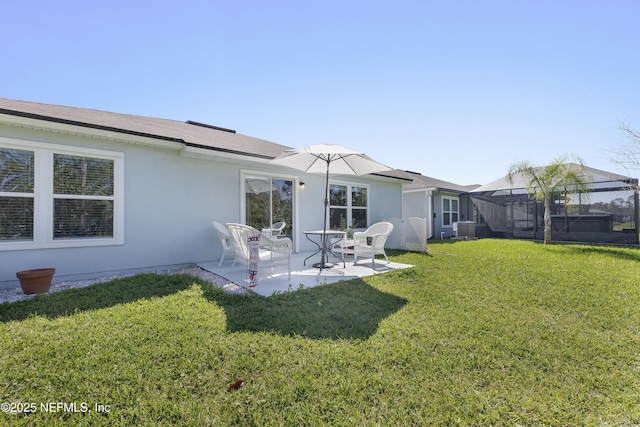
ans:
x=432 y=219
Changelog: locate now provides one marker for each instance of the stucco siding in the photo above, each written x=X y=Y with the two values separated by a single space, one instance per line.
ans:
x=386 y=201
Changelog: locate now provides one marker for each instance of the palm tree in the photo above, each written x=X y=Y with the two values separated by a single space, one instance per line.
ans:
x=564 y=175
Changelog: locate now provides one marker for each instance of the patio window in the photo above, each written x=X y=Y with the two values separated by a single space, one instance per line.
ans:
x=58 y=196
x=16 y=194
x=348 y=206
x=450 y=211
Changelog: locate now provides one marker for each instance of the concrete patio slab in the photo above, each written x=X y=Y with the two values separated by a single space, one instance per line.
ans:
x=305 y=275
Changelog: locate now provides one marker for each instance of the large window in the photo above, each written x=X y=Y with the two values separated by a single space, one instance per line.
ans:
x=348 y=206
x=450 y=211
x=82 y=197
x=56 y=196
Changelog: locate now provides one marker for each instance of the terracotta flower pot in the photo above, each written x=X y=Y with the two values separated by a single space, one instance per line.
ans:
x=36 y=281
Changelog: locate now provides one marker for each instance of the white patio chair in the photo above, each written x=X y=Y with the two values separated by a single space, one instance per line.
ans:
x=225 y=241
x=272 y=253
x=369 y=243
x=275 y=230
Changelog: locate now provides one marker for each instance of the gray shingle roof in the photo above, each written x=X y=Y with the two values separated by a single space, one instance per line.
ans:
x=422 y=181
x=172 y=130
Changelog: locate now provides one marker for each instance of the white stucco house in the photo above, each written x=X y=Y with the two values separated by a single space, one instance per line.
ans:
x=93 y=192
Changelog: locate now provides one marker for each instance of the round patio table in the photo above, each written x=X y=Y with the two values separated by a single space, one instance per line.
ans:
x=322 y=247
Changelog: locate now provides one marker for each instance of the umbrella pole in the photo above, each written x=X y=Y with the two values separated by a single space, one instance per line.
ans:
x=324 y=259
x=324 y=223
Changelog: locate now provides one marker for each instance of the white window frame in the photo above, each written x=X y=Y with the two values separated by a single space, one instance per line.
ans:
x=248 y=173
x=450 y=211
x=349 y=206
x=44 y=198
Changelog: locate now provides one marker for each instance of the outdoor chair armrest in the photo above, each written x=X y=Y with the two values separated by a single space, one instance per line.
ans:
x=376 y=237
x=359 y=235
x=362 y=238
x=283 y=243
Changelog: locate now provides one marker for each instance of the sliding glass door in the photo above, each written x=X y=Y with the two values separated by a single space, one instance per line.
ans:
x=269 y=200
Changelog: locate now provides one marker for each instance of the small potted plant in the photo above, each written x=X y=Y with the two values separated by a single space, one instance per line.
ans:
x=37 y=281
x=348 y=230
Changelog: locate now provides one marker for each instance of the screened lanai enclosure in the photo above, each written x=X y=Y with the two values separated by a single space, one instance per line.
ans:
x=607 y=213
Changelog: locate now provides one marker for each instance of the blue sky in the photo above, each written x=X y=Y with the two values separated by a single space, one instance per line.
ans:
x=457 y=90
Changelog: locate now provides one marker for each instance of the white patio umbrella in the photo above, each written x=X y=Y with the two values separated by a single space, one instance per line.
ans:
x=328 y=159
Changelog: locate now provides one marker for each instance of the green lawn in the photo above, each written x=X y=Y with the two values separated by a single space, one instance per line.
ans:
x=487 y=332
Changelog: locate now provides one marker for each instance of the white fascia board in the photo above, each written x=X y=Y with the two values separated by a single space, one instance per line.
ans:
x=218 y=155
x=78 y=130
x=368 y=177
x=420 y=190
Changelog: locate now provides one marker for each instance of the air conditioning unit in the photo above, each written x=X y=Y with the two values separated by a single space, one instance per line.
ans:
x=465 y=229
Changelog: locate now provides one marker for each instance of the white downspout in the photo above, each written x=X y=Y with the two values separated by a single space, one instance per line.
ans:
x=430 y=219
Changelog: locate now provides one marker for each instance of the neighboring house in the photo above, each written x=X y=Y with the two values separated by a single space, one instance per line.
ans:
x=608 y=213
x=92 y=192
x=442 y=203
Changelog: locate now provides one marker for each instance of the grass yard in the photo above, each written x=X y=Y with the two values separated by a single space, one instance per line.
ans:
x=487 y=332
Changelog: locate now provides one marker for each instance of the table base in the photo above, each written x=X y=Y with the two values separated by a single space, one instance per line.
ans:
x=322 y=265
x=323 y=248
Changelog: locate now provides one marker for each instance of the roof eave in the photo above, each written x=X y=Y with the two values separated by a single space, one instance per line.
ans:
x=37 y=121
x=394 y=178
x=84 y=124
x=210 y=153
